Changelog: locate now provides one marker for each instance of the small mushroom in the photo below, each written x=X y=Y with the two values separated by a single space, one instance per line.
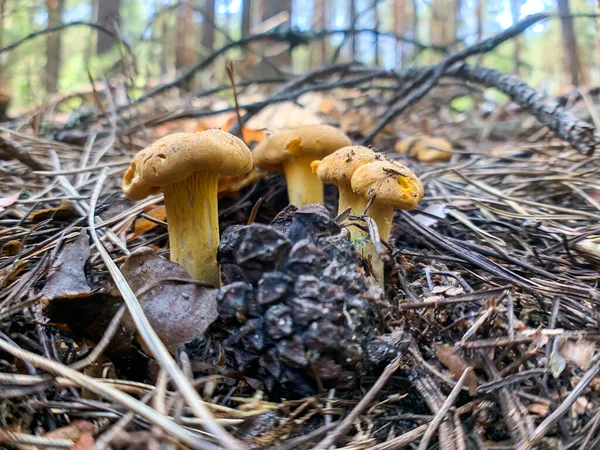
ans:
x=425 y=148
x=283 y=116
x=390 y=185
x=187 y=167
x=292 y=151
x=338 y=168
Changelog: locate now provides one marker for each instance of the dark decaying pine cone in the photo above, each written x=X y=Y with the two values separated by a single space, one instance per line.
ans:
x=298 y=305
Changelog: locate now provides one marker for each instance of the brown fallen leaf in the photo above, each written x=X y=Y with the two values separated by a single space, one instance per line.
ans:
x=67 y=276
x=143 y=225
x=231 y=186
x=9 y=200
x=178 y=311
x=66 y=210
x=80 y=432
x=11 y=248
x=578 y=353
x=457 y=365
x=538 y=409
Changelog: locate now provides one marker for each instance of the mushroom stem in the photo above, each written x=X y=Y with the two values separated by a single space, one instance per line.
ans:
x=383 y=215
x=348 y=199
x=192 y=214
x=304 y=187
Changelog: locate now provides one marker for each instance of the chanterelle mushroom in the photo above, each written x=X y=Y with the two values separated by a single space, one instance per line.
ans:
x=425 y=148
x=292 y=151
x=391 y=185
x=187 y=167
x=338 y=168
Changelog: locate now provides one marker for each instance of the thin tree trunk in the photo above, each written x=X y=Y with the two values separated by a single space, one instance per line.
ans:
x=54 y=8
x=108 y=17
x=453 y=37
x=165 y=46
x=2 y=14
x=319 y=24
x=246 y=17
x=515 y=11
x=480 y=10
x=353 y=25
x=208 y=30
x=399 y=21
x=269 y=9
x=184 y=55
x=571 y=55
x=376 y=24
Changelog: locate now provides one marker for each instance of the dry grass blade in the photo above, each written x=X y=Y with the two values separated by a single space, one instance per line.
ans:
x=152 y=340
x=339 y=431
x=109 y=393
x=441 y=414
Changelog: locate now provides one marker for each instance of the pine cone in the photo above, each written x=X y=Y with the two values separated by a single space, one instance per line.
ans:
x=298 y=305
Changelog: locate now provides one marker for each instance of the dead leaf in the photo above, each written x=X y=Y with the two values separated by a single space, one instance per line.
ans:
x=11 y=248
x=437 y=210
x=579 y=407
x=455 y=291
x=143 y=225
x=178 y=312
x=80 y=432
x=457 y=365
x=250 y=135
x=9 y=200
x=578 y=353
x=67 y=276
x=66 y=210
x=231 y=186
x=9 y=273
x=538 y=409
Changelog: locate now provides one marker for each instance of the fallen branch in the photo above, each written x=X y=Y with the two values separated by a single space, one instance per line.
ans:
x=566 y=126
x=10 y=149
x=427 y=79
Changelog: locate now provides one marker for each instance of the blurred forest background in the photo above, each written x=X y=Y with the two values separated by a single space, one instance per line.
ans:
x=156 y=39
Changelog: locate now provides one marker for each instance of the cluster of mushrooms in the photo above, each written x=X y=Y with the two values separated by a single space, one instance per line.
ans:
x=187 y=166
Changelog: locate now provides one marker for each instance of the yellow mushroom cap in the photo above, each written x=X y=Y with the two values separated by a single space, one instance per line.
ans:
x=283 y=116
x=177 y=156
x=339 y=166
x=425 y=148
x=314 y=140
x=390 y=182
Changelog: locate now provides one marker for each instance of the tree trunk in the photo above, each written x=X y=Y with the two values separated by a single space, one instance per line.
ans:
x=55 y=9
x=319 y=24
x=571 y=55
x=376 y=26
x=480 y=10
x=164 y=44
x=109 y=17
x=399 y=21
x=353 y=25
x=515 y=11
x=246 y=17
x=269 y=9
x=184 y=54
x=2 y=14
x=208 y=30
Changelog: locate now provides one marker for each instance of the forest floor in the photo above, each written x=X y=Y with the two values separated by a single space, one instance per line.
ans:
x=491 y=295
